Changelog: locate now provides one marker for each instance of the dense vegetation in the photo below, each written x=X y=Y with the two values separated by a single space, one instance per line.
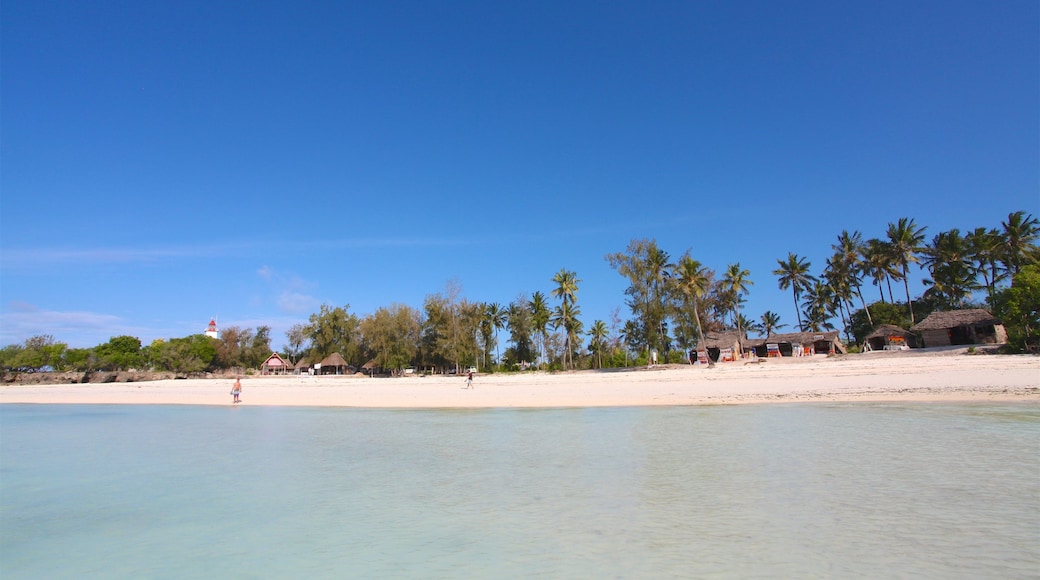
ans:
x=672 y=305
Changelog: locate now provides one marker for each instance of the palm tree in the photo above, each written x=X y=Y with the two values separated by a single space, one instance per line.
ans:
x=694 y=281
x=599 y=333
x=906 y=239
x=748 y=324
x=838 y=278
x=770 y=321
x=735 y=281
x=658 y=271
x=819 y=307
x=877 y=263
x=566 y=314
x=850 y=251
x=794 y=274
x=1020 y=234
x=540 y=319
x=496 y=315
x=953 y=275
x=984 y=250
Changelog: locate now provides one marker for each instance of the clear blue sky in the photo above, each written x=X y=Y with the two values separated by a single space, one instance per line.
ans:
x=166 y=162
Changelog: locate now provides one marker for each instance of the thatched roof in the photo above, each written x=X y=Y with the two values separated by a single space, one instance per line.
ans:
x=955 y=318
x=719 y=339
x=889 y=330
x=797 y=337
x=334 y=360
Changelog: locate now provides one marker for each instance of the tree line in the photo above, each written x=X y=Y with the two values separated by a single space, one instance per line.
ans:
x=673 y=305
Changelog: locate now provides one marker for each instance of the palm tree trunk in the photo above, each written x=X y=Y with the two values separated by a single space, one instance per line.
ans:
x=859 y=293
x=796 y=309
x=909 y=303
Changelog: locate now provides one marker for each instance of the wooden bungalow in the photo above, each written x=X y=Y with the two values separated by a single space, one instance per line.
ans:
x=799 y=344
x=275 y=365
x=334 y=364
x=890 y=337
x=956 y=327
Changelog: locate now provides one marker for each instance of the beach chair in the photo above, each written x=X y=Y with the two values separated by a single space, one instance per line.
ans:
x=726 y=355
x=702 y=357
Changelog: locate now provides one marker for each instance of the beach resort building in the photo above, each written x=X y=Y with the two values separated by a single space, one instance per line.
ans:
x=334 y=364
x=961 y=327
x=798 y=344
x=719 y=347
x=275 y=365
x=890 y=337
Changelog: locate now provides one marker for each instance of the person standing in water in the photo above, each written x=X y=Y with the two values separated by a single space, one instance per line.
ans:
x=236 y=390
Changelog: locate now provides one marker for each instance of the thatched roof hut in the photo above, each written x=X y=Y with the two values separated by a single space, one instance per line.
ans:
x=890 y=337
x=335 y=364
x=968 y=326
x=801 y=343
x=721 y=345
x=275 y=365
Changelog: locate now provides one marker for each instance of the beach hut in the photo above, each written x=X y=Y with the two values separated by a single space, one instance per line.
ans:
x=721 y=346
x=302 y=367
x=335 y=364
x=890 y=337
x=275 y=365
x=957 y=327
x=800 y=344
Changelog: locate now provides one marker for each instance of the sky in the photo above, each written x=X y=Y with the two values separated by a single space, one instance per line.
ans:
x=163 y=163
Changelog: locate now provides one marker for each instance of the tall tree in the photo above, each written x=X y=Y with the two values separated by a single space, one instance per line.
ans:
x=566 y=314
x=392 y=335
x=540 y=315
x=520 y=322
x=497 y=316
x=694 y=281
x=770 y=321
x=598 y=333
x=793 y=273
x=850 y=249
x=953 y=275
x=735 y=282
x=985 y=251
x=906 y=240
x=837 y=277
x=295 y=339
x=334 y=330
x=1020 y=234
x=648 y=269
x=877 y=261
x=819 y=307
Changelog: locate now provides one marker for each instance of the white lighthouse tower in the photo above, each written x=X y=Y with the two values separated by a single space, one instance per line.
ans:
x=211 y=330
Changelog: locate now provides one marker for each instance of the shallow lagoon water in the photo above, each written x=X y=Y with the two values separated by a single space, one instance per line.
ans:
x=806 y=490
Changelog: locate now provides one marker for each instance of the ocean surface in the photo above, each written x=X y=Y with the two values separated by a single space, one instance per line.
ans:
x=792 y=490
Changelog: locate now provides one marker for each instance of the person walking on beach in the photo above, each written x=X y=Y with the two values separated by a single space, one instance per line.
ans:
x=469 y=380
x=236 y=390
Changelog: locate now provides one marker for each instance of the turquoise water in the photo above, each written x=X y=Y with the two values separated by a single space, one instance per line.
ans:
x=821 y=490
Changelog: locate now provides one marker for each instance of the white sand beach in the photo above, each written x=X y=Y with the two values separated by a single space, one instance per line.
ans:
x=882 y=376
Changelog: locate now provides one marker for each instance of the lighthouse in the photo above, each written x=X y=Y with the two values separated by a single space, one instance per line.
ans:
x=211 y=330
